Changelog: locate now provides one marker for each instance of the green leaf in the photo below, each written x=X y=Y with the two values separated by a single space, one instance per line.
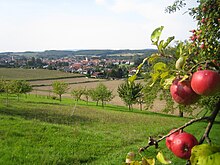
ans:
x=155 y=36
x=169 y=39
x=153 y=57
x=134 y=163
x=148 y=161
x=160 y=47
x=164 y=74
x=162 y=159
x=205 y=154
x=160 y=66
x=154 y=77
x=184 y=78
x=179 y=49
x=130 y=157
x=132 y=78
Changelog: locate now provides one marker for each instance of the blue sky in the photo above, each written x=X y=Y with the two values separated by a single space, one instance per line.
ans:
x=38 y=25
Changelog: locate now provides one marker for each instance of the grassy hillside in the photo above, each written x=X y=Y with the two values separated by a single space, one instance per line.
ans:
x=33 y=74
x=37 y=130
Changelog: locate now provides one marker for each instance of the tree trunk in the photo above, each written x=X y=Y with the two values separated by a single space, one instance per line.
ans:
x=141 y=106
x=102 y=104
x=129 y=107
x=60 y=98
x=180 y=113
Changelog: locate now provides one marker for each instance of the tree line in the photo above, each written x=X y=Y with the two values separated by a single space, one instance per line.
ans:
x=129 y=93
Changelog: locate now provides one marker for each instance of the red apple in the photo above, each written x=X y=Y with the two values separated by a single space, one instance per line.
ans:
x=170 y=138
x=182 y=145
x=182 y=92
x=202 y=46
x=206 y=82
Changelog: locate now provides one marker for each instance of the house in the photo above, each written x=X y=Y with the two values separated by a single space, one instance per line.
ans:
x=97 y=75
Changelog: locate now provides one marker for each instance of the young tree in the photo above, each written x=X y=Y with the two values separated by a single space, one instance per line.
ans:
x=60 y=88
x=104 y=94
x=86 y=93
x=19 y=87
x=6 y=88
x=140 y=100
x=94 y=96
x=129 y=93
x=101 y=93
x=26 y=87
x=77 y=93
x=16 y=87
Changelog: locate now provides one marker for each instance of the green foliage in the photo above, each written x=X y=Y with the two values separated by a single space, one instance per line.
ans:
x=130 y=92
x=205 y=154
x=19 y=87
x=162 y=158
x=60 y=88
x=86 y=93
x=101 y=93
x=208 y=102
x=205 y=39
x=177 y=5
x=77 y=93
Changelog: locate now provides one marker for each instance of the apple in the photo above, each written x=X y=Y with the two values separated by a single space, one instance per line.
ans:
x=182 y=92
x=206 y=82
x=182 y=144
x=170 y=138
x=202 y=46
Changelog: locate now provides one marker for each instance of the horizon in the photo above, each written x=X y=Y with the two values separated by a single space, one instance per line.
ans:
x=30 y=51
x=37 y=25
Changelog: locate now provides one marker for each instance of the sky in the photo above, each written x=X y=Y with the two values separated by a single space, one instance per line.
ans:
x=38 y=25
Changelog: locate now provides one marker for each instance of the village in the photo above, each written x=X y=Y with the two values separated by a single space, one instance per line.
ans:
x=90 y=66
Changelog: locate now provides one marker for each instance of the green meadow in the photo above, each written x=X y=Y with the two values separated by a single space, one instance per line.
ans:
x=39 y=130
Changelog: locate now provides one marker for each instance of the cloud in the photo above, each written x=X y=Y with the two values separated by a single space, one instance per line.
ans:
x=100 y=2
x=153 y=15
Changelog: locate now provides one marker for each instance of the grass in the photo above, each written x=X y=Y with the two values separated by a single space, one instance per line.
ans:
x=36 y=130
x=33 y=74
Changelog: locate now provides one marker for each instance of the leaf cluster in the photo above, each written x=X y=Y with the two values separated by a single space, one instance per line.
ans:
x=129 y=92
x=101 y=93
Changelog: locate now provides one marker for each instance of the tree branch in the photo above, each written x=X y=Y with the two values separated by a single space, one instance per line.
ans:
x=210 y=119
x=209 y=126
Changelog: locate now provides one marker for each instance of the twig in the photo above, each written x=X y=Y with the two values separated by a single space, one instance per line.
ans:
x=210 y=119
x=209 y=126
x=155 y=142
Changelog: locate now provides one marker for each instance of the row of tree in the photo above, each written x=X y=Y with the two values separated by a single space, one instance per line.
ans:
x=16 y=87
x=130 y=93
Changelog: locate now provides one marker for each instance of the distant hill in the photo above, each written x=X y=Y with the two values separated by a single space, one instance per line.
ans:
x=69 y=53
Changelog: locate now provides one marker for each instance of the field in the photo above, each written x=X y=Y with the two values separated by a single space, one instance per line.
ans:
x=37 y=130
x=33 y=74
x=75 y=83
x=42 y=79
